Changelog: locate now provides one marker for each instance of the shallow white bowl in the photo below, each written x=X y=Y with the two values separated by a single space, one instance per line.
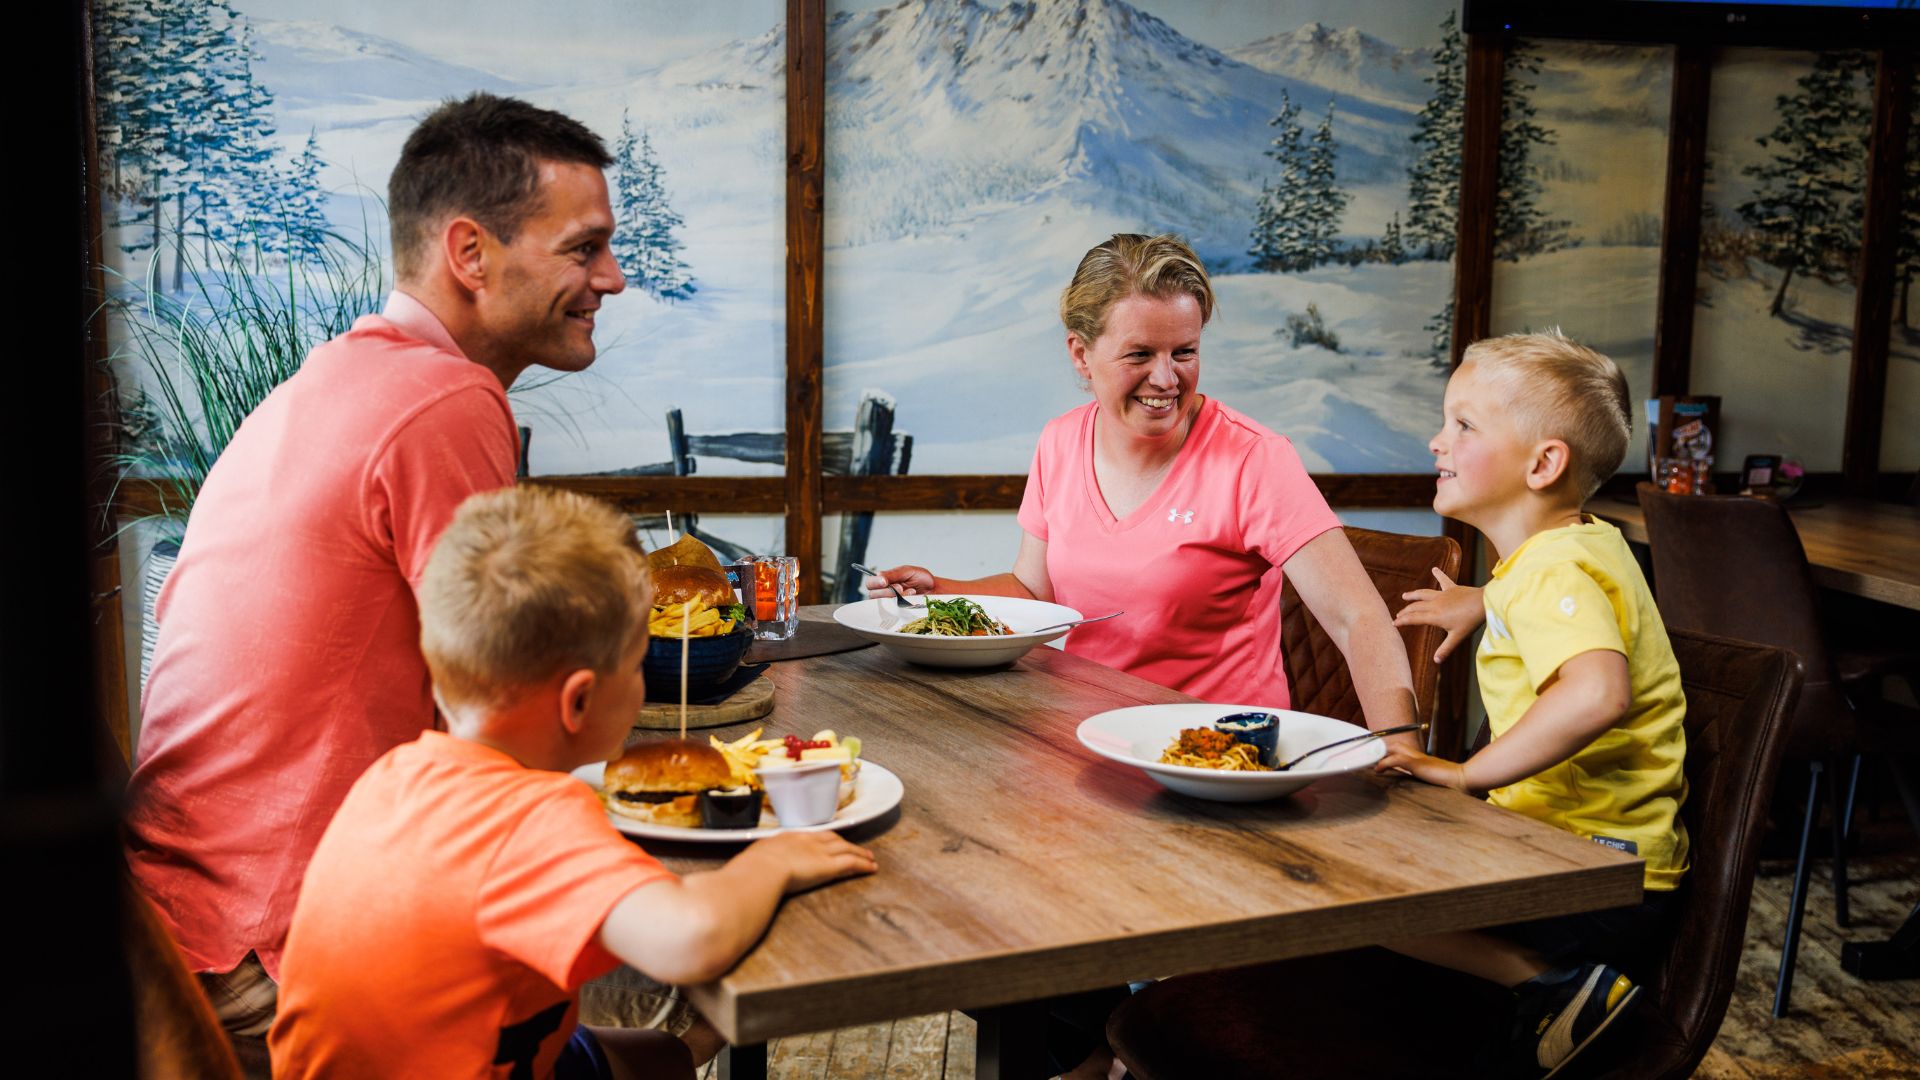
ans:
x=1136 y=736
x=875 y=620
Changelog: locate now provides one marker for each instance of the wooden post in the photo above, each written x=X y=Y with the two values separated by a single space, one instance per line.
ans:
x=1873 y=298
x=679 y=454
x=872 y=456
x=806 y=131
x=1473 y=285
x=109 y=633
x=1680 y=221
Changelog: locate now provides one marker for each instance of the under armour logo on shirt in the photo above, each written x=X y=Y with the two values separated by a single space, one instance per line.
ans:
x=1184 y=517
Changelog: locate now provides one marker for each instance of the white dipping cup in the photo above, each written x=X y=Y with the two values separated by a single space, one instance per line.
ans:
x=803 y=794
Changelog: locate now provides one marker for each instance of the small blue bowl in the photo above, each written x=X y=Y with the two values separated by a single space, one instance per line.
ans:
x=1260 y=730
x=711 y=661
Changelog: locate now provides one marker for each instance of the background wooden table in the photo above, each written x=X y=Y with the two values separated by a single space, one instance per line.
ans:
x=1021 y=866
x=1857 y=546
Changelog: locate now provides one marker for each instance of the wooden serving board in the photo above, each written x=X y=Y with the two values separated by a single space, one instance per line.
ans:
x=750 y=702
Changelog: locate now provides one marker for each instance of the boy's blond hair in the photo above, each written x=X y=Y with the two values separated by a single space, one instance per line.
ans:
x=526 y=583
x=1563 y=390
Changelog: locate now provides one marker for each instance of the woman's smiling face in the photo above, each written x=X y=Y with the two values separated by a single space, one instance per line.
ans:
x=1144 y=368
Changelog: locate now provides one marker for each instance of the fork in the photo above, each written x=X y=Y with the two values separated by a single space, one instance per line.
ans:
x=899 y=598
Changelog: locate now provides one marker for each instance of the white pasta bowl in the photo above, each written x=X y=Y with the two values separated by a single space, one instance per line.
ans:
x=879 y=621
x=1136 y=736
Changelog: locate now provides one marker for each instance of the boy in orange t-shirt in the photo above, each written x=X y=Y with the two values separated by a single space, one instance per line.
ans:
x=468 y=886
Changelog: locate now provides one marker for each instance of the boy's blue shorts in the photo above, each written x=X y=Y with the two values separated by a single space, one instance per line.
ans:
x=1618 y=936
x=582 y=1058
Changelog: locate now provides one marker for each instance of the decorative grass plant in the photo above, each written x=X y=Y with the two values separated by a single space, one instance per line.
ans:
x=196 y=362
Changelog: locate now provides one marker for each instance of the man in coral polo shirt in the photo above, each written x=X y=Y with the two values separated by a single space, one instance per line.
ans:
x=288 y=658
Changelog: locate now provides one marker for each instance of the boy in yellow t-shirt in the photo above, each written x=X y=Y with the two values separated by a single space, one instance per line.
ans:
x=1581 y=688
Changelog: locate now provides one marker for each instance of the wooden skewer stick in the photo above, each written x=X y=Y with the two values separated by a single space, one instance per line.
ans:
x=686 y=645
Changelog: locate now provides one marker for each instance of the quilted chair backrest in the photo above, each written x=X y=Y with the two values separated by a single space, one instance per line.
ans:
x=1317 y=673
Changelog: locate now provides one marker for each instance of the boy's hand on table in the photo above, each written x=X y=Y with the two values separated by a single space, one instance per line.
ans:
x=1424 y=767
x=815 y=858
x=1457 y=609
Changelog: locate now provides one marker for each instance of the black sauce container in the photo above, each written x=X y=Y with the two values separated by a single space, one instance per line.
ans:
x=731 y=808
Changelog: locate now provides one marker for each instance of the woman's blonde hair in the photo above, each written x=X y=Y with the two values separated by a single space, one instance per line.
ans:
x=526 y=583
x=1126 y=265
x=1560 y=389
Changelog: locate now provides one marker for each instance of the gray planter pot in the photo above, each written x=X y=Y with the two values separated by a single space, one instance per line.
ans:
x=160 y=562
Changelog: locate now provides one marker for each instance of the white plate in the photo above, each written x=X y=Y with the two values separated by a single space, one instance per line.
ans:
x=877 y=792
x=1136 y=736
x=876 y=620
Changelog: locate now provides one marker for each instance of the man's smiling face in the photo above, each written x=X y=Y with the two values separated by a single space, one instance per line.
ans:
x=554 y=273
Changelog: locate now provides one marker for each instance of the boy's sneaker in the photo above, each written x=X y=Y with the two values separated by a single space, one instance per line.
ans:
x=1561 y=1013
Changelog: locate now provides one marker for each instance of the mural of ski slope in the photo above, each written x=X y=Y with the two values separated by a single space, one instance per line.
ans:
x=974 y=152
x=713 y=105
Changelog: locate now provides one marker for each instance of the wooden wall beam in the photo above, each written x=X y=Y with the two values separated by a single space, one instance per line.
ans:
x=1473 y=284
x=1873 y=295
x=1680 y=222
x=109 y=640
x=684 y=494
x=1479 y=190
x=806 y=181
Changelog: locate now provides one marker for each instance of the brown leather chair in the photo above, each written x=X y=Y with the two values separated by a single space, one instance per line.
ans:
x=1370 y=1012
x=1317 y=675
x=176 y=1032
x=1734 y=566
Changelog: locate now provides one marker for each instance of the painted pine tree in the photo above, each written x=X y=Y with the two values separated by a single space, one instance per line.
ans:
x=186 y=129
x=1805 y=207
x=1281 y=235
x=1433 y=180
x=127 y=134
x=301 y=222
x=1520 y=226
x=1440 y=335
x=643 y=242
x=1326 y=203
x=1393 y=248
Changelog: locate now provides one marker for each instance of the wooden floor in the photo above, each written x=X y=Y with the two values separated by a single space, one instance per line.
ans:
x=1838 y=1027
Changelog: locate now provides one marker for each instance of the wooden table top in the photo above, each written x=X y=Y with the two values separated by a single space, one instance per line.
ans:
x=1857 y=546
x=1020 y=865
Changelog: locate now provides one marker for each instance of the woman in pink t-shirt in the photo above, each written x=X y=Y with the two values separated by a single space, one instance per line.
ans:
x=1156 y=500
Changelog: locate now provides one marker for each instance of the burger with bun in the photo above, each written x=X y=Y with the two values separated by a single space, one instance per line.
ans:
x=678 y=584
x=661 y=781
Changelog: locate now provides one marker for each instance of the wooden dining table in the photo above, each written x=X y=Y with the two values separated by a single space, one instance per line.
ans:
x=1857 y=546
x=1019 y=866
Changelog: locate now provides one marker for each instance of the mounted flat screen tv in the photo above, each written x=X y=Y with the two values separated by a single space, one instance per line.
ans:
x=1806 y=24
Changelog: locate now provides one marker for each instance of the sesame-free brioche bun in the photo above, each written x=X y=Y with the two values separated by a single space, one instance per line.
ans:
x=674 y=584
x=661 y=780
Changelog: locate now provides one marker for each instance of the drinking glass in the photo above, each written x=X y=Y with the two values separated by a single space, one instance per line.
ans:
x=774 y=601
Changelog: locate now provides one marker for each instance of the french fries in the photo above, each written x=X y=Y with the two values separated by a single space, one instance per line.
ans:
x=743 y=755
x=699 y=619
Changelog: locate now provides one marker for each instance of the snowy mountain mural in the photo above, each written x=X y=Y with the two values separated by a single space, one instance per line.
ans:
x=974 y=152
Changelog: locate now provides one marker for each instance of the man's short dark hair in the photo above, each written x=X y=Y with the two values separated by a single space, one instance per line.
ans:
x=478 y=156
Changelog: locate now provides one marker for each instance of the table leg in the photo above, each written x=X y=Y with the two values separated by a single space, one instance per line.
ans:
x=746 y=1062
x=1897 y=957
x=1011 y=1043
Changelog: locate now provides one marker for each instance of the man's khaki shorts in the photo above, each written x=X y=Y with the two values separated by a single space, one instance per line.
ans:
x=244 y=999
x=625 y=998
